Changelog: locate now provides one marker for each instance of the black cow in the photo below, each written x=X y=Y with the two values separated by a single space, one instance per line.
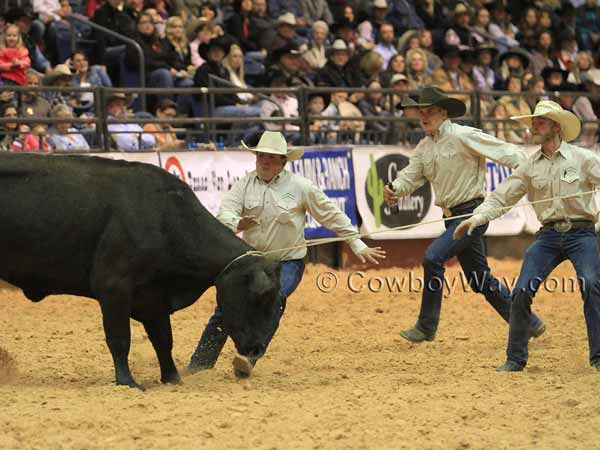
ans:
x=136 y=239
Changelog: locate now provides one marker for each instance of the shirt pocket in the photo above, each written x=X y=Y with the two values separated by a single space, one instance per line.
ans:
x=285 y=212
x=252 y=205
x=539 y=184
x=569 y=183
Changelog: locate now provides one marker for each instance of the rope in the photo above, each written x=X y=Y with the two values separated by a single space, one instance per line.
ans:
x=403 y=227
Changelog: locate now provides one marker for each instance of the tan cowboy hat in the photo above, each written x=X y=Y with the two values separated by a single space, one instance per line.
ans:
x=274 y=143
x=60 y=70
x=569 y=122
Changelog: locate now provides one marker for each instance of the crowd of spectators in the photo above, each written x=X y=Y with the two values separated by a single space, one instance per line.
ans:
x=528 y=49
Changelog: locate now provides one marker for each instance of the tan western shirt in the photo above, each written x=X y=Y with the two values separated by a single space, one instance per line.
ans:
x=571 y=170
x=280 y=206
x=454 y=162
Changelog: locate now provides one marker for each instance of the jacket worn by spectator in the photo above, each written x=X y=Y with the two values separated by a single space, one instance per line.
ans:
x=201 y=79
x=338 y=76
x=159 y=53
x=120 y=20
x=15 y=73
x=130 y=137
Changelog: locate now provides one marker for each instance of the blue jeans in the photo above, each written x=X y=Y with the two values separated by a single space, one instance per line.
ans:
x=214 y=336
x=471 y=254
x=548 y=251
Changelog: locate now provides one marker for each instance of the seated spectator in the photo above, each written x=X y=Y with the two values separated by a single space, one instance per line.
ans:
x=34 y=140
x=484 y=74
x=286 y=33
x=32 y=103
x=127 y=137
x=165 y=8
x=543 y=55
x=403 y=16
x=288 y=59
x=60 y=76
x=395 y=66
x=535 y=91
x=165 y=136
x=338 y=72
x=450 y=78
x=281 y=103
x=408 y=41
x=342 y=130
x=87 y=76
x=371 y=66
x=459 y=33
x=367 y=29
x=54 y=29
x=316 y=10
x=481 y=28
x=554 y=78
x=426 y=43
x=62 y=136
x=241 y=26
x=316 y=55
x=501 y=28
x=588 y=25
x=512 y=62
x=14 y=58
x=317 y=102
x=392 y=104
x=528 y=29
x=10 y=130
x=24 y=21
x=497 y=126
x=591 y=84
x=180 y=48
x=581 y=106
x=210 y=12
x=160 y=24
x=567 y=50
x=417 y=70
x=515 y=105
x=200 y=32
x=386 y=44
x=372 y=105
x=234 y=63
x=583 y=62
x=277 y=8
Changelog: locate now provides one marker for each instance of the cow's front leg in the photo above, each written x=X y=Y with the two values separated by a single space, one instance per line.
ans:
x=160 y=334
x=115 y=318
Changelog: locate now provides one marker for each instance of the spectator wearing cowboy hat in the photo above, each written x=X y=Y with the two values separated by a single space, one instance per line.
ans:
x=338 y=72
x=288 y=60
x=554 y=78
x=558 y=168
x=127 y=137
x=453 y=159
x=269 y=206
x=60 y=76
x=449 y=77
x=286 y=32
x=512 y=62
x=591 y=84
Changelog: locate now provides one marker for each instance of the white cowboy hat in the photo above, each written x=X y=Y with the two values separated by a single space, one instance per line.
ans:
x=569 y=122
x=274 y=143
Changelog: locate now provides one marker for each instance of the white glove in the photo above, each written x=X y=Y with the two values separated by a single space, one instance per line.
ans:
x=469 y=225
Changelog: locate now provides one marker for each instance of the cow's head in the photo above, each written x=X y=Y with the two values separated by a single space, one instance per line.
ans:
x=248 y=295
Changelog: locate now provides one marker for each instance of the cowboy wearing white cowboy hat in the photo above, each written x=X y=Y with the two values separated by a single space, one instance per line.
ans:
x=269 y=206
x=453 y=159
x=557 y=169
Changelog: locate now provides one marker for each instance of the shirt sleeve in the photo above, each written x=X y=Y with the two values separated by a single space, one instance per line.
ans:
x=411 y=177
x=508 y=193
x=493 y=148
x=591 y=167
x=232 y=205
x=327 y=213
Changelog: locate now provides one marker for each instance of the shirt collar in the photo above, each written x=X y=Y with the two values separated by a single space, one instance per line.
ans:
x=277 y=179
x=442 y=130
x=563 y=150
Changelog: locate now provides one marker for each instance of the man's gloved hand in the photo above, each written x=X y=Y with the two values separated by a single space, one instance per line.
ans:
x=468 y=225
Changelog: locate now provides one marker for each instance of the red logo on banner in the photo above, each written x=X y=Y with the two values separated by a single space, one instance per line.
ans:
x=173 y=166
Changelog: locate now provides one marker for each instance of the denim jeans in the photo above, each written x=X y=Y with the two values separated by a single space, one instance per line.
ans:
x=214 y=336
x=471 y=254
x=548 y=251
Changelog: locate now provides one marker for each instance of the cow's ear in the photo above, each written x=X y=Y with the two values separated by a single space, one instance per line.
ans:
x=261 y=283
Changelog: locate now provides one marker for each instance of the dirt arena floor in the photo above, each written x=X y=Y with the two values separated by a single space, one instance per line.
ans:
x=336 y=376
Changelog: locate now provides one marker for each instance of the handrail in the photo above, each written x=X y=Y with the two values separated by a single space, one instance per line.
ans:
x=142 y=59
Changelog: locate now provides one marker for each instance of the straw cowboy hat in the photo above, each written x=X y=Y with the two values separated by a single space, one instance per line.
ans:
x=59 y=71
x=274 y=143
x=432 y=96
x=569 y=122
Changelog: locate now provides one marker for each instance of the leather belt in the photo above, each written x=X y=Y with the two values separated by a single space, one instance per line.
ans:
x=562 y=226
x=463 y=207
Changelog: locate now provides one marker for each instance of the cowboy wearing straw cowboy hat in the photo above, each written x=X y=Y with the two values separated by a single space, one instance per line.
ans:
x=567 y=232
x=269 y=206
x=453 y=159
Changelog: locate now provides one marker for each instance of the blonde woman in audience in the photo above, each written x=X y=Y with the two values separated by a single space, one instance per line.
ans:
x=234 y=63
x=583 y=62
x=417 y=69
x=62 y=136
x=179 y=44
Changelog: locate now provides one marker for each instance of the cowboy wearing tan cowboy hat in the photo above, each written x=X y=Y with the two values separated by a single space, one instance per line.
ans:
x=453 y=159
x=269 y=206
x=556 y=169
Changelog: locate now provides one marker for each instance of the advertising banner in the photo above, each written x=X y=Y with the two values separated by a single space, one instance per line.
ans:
x=332 y=171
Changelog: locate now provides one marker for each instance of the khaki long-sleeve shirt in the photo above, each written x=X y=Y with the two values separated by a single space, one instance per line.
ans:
x=281 y=206
x=571 y=170
x=454 y=162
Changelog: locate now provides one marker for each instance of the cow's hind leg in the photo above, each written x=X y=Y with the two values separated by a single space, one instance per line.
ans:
x=160 y=334
x=115 y=318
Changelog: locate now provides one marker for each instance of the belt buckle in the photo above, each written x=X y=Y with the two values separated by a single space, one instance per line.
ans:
x=563 y=226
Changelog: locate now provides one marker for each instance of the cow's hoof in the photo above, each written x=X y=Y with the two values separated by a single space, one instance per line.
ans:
x=173 y=379
x=132 y=384
x=242 y=366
